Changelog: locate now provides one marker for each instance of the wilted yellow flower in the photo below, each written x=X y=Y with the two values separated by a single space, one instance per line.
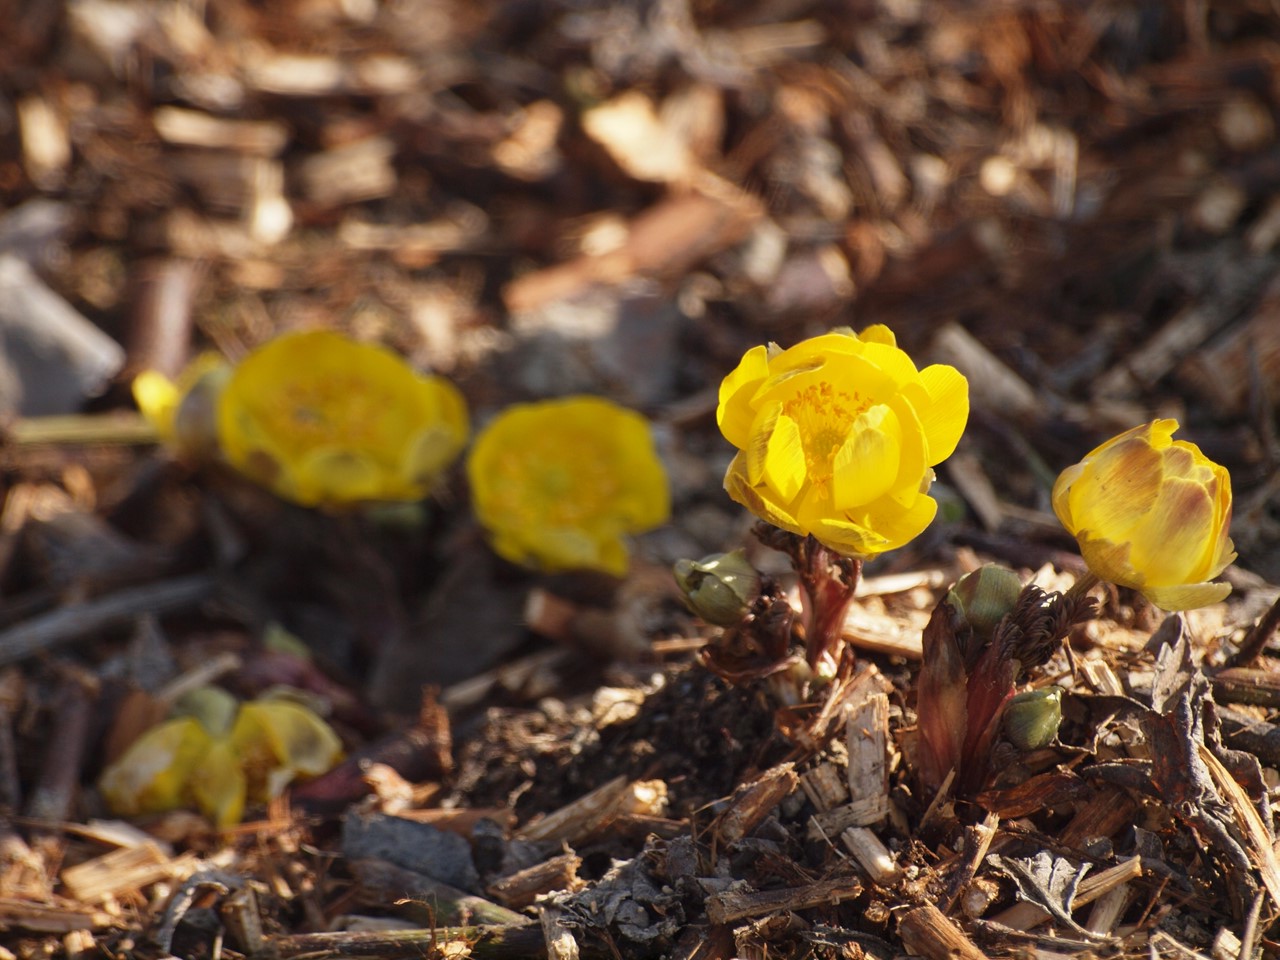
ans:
x=183 y=412
x=323 y=420
x=837 y=436
x=220 y=759
x=1151 y=513
x=559 y=483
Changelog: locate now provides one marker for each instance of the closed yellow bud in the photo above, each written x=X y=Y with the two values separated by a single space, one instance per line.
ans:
x=1151 y=513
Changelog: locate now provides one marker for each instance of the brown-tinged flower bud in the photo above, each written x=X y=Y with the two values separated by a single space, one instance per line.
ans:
x=719 y=588
x=983 y=597
x=1031 y=719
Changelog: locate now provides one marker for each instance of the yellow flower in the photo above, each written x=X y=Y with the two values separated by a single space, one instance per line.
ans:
x=1151 y=513
x=323 y=420
x=559 y=483
x=220 y=759
x=183 y=411
x=837 y=435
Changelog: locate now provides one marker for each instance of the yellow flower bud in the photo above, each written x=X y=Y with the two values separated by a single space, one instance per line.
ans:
x=1151 y=513
x=719 y=588
x=837 y=437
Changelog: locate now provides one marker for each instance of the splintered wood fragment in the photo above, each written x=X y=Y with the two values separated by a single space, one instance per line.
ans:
x=243 y=918
x=55 y=916
x=927 y=932
x=824 y=786
x=867 y=739
x=195 y=128
x=588 y=813
x=1101 y=678
x=357 y=171
x=483 y=942
x=666 y=240
x=973 y=482
x=1108 y=909
x=122 y=871
x=732 y=905
x=993 y=385
x=435 y=236
x=1185 y=334
x=58 y=782
x=296 y=75
x=755 y=801
x=1026 y=915
x=892 y=583
x=1247 y=685
x=46 y=146
x=560 y=941
x=1259 y=841
x=383 y=880
x=977 y=841
x=1109 y=811
x=833 y=822
x=1222 y=369
x=1226 y=946
x=881 y=634
x=872 y=855
x=77 y=620
x=518 y=890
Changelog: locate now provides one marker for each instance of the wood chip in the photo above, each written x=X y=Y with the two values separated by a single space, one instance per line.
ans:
x=587 y=814
x=737 y=903
x=872 y=855
x=127 y=870
x=195 y=128
x=755 y=801
x=927 y=932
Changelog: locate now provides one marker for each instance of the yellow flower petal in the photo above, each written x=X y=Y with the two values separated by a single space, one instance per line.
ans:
x=784 y=464
x=217 y=785
x=947 y=411
x=733 y=413
x=152 y=775
x=866 y=467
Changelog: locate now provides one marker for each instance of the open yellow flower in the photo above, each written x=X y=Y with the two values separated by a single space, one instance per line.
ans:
x=220 y=758
x=324 y=421
x=183 y=412
x=559 y=483
x=837 y=437
x=1151 y=513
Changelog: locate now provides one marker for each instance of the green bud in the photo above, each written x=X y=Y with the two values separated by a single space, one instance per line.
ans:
x=212 y=706
x=1031 y=719
x=719 y=588
x=984 y=596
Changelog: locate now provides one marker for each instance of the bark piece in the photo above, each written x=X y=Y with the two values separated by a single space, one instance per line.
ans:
x=738 y=904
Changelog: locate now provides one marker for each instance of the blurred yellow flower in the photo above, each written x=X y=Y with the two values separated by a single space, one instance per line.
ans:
x=183 y=412
x=1151 y=513
x=559 y=483
x=322 y=420
x=221 y=759
x=837 y=435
